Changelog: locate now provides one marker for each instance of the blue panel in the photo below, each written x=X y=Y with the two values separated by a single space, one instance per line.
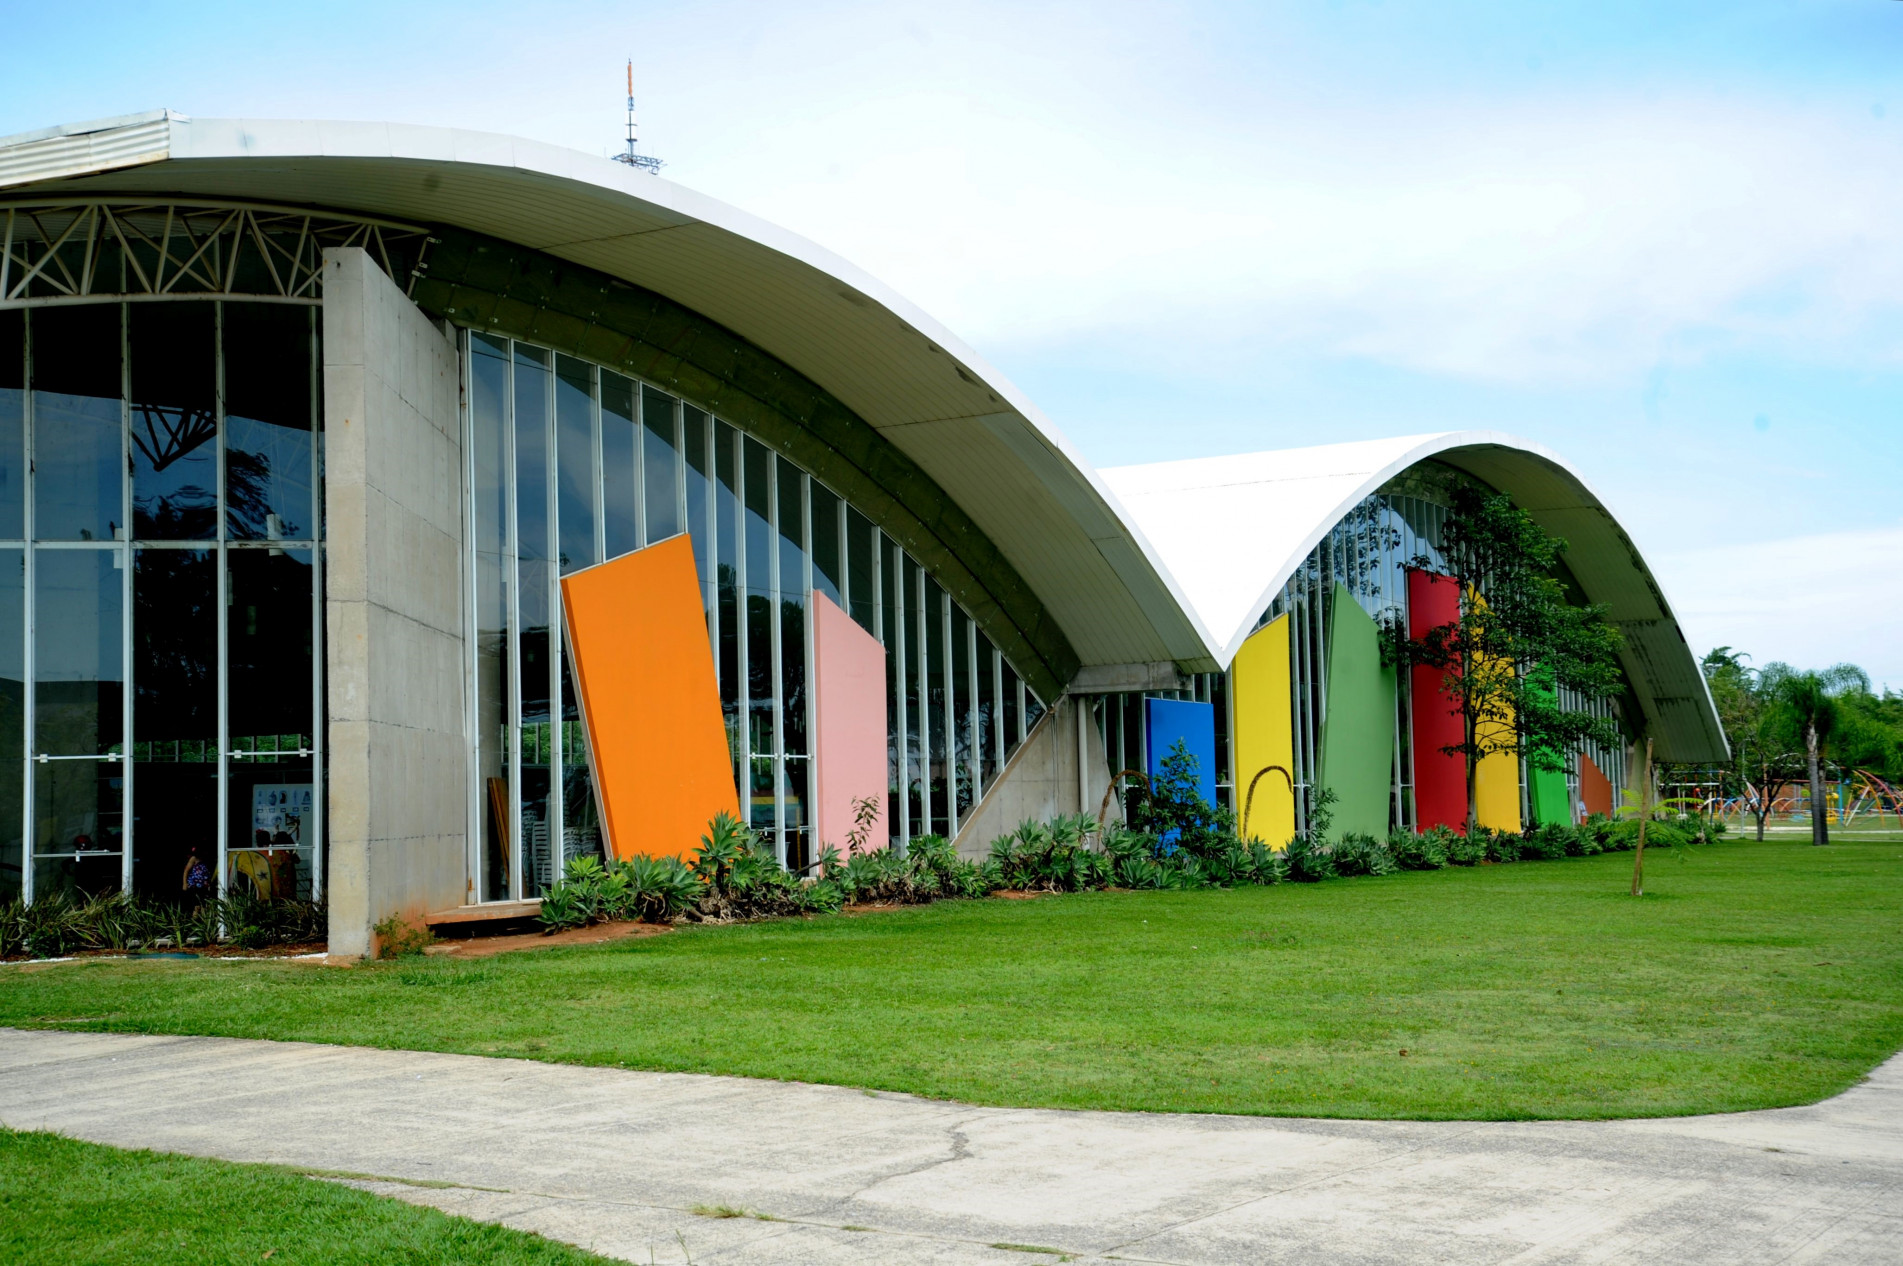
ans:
x=1195 y=724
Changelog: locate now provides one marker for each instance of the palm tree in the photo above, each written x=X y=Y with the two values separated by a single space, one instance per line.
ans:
x=1811 y=696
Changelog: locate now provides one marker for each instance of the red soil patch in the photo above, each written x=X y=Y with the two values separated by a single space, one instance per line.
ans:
x=484 y=946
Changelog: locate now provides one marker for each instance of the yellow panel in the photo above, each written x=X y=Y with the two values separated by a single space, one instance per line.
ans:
x=1497 y=781
x=1265 y=735
x=650 y=700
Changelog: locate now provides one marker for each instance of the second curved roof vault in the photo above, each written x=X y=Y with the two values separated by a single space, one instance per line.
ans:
x=1234 y=530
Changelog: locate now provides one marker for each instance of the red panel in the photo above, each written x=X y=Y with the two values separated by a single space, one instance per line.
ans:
x=1440 y=780
x=1595 y=789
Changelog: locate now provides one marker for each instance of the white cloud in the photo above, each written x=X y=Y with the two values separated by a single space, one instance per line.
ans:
x=1811 y=601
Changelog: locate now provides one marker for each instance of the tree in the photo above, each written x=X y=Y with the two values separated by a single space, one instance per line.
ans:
x=1518 y=643
x=1765 y=746
x=1811 y=697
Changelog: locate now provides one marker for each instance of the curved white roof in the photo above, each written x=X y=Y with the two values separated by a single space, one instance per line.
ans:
x=1004 y=463
x=1232 y=530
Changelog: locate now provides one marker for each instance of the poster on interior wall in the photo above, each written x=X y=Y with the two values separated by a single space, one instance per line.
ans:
x=278 y=813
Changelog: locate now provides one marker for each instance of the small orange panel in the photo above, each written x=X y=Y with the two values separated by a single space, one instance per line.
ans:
x=650 y=700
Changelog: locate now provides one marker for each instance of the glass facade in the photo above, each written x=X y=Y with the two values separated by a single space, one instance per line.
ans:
x=570 y=463
x=160 y=596
x=1369 y=553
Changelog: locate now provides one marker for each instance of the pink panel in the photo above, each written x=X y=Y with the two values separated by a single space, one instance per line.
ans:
x=849 y=744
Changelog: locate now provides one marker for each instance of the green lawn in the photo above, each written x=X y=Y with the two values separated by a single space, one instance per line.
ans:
x=1751 y=975
x=62 y=1201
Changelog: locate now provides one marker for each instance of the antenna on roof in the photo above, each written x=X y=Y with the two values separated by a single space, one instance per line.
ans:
x=646 y=162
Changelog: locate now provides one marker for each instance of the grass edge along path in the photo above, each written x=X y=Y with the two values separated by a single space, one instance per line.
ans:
x=66 y=1201
x=1750 y=976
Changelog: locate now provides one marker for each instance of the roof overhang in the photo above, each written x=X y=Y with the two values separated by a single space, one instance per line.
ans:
x=934 y=399
x=1234 y=529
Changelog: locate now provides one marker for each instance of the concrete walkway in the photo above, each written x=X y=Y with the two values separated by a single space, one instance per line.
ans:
x=618 y=1161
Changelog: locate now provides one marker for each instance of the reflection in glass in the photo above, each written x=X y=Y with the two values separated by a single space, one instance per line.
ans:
x=272 y=782
x=268 y=418
x=175 y=715
x=12 y=719
x=534 y=581
x=661 y=492
x=827 y=573
x=937 y=704
x=78 y=695
x=620 y=506
x=78 y=459
x=861 y=545
x=488 y=399
x=12 y=431
x=757 y=475
x=174 y=421
x=694 y=450
x=727 y=588
x=791 y=508
x=575 y=462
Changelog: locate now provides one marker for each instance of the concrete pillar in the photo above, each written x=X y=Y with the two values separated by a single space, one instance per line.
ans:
x=1061 y=767
x=399 y=769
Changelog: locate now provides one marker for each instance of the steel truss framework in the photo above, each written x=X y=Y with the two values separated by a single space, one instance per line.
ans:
x=76 y=250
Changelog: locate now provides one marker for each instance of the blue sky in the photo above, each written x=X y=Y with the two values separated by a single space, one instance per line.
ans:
x=1660 y=238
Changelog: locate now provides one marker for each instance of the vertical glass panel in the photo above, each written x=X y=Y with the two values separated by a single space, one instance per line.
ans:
x=694 y=451
x=829 y=573
x=78 y=696
x=78 y=460
x=861 y=541
x=792 y=608
x=987 y=710
x=269 y=415
x=575 y=482
x=757 y=475
x=489 y=438
x=898 y=760
x=534 y=581
x=581 y=823
x=917 y=749
x=175 y=715
x=661 y=494
x=964 y=712
x=620 y=506
x=269 y=722
x=1014 y=722
x=12 y=432
x=174 y=420
x=12 y=720
x=938 y=699
x=728 y=586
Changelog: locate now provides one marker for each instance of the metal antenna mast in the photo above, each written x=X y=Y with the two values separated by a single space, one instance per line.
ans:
x=646 y=162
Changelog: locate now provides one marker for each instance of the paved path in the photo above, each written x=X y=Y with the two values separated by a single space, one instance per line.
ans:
x=617 y=1161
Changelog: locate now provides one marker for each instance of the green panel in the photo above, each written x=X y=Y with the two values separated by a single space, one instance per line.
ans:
x=496 y=286
x=1358 y=730
x=1546 y=789
x=1550 y=802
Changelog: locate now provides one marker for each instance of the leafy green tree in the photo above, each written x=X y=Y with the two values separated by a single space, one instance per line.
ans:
x=1812 y=699
x=1518 y=642
x=1766 y=750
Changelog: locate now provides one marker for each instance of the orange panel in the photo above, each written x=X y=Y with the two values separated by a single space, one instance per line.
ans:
x=1595 y=789
x=650 y=700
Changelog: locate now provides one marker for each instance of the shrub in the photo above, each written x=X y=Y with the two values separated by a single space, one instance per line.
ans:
x=1500 y=846
x=58 y=924
x=1309 y=860
x=1463 y=850
x=1358 y=854
x=1426 y=851
x=1549 y=841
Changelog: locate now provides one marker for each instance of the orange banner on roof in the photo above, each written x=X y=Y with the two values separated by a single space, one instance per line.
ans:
x=650 y=699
